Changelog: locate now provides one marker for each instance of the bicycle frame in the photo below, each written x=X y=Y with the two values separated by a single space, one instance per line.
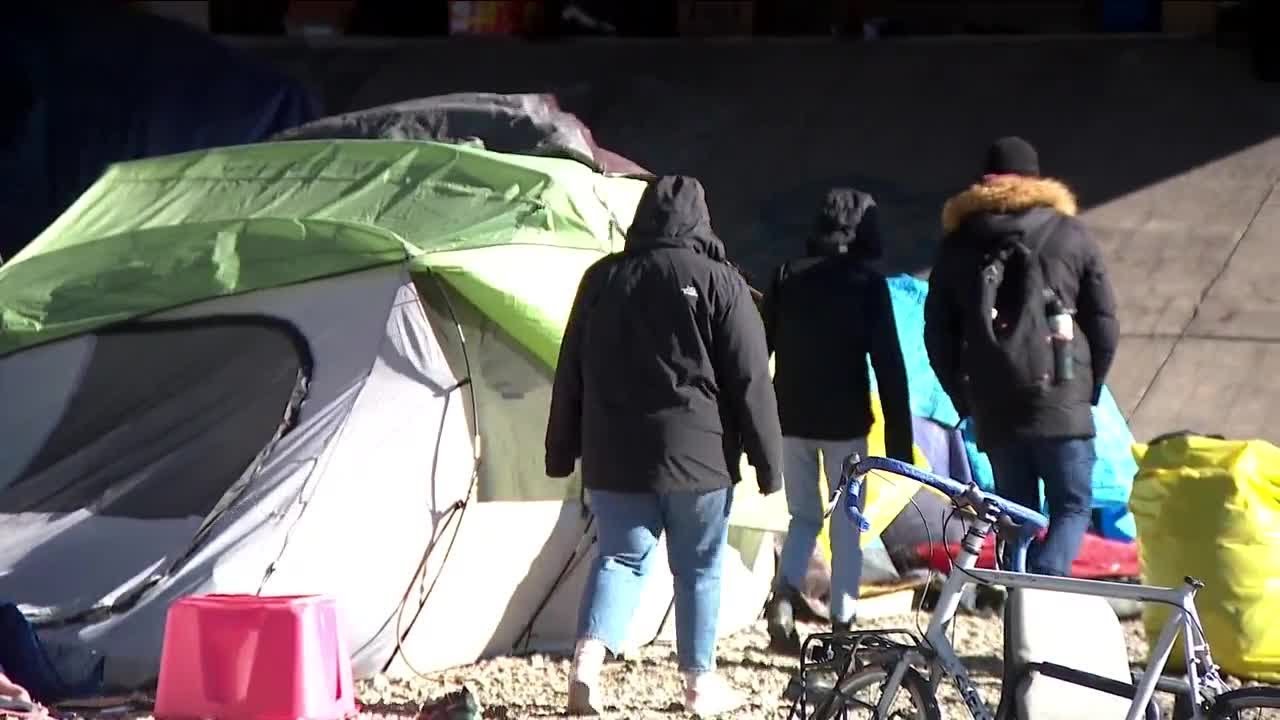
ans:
x=1202 y=674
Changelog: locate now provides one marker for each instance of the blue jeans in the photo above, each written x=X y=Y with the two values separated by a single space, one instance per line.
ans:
x=628 y=528
x=1066 y=466
x=804 y=502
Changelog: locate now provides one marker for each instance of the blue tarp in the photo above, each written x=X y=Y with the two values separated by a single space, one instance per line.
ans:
x=1112 y=475
x=88 y=86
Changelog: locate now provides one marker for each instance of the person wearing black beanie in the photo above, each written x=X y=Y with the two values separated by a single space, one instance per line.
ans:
x=1021 y=330
x=823 y=315
x=1012 y=156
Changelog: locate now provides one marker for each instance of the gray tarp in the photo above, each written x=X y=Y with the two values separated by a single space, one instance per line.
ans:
x=526 y=124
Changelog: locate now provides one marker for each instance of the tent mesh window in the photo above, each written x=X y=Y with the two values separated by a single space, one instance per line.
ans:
x=512 y=391
x=163 y=418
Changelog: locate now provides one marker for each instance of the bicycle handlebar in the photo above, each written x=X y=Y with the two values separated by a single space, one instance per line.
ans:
x=855 y=468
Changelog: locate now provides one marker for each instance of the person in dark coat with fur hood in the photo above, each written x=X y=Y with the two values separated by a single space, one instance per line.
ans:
x=662 y=384
x=1032 y=431
x=824 y=314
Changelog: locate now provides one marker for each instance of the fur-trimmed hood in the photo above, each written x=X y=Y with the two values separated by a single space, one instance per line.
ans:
x=1007 y=194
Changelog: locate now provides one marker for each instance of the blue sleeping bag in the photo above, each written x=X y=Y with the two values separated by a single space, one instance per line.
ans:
x=1112 y=474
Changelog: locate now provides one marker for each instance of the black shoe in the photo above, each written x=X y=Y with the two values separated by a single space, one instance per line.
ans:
x=780 y=614
x=840 y=649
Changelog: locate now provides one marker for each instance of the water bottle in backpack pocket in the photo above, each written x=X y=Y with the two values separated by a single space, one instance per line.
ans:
x=1063 y=331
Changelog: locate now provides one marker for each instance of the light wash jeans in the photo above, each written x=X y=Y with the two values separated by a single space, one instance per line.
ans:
x=800 y=479
x=629 y=526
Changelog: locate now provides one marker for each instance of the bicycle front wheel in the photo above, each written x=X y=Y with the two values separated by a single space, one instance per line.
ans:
x=858 y=695
x=1249 y=703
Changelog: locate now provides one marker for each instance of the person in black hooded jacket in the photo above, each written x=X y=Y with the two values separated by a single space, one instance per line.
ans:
x=824 y=314
x=662 y=382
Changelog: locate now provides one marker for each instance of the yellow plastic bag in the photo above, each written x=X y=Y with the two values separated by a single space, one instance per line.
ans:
x=1211 y=509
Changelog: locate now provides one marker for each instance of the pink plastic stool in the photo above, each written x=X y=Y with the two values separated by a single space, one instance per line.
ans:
x=245 y=657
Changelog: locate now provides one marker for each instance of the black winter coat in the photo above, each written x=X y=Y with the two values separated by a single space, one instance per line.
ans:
x=824 y=315
x=663 y=376
x=1043 y=211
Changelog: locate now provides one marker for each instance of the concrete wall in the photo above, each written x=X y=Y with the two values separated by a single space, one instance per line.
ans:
x=1171 y=145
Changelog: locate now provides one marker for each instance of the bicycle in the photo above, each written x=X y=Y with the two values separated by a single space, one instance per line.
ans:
x=901 y=664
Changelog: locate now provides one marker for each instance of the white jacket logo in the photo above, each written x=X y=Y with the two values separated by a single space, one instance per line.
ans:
x=689 y=291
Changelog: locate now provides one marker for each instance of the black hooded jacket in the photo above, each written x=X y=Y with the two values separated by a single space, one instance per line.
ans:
x=663 y=376
x=824 y=314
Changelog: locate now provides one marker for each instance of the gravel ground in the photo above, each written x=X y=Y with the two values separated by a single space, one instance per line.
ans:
x=648 y=686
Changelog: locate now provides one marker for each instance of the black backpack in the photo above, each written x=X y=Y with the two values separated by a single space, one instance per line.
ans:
x=1009 y=349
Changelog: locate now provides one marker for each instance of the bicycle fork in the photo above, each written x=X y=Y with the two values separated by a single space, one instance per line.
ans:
x=891 y=685
x=972 y=700
x=951 y=665
x=944 y=662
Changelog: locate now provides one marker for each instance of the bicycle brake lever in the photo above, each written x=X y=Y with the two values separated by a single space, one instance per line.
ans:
x=833 y=502
x=973 y=496
x=852 y=494
x=1006 y=523
x=850 y=462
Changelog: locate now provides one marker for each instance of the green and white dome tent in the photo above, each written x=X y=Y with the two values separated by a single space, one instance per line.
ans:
x=272 y=368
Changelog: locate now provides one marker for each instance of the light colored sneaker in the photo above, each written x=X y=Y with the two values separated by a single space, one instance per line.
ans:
x=707 y=694
x=584 y=678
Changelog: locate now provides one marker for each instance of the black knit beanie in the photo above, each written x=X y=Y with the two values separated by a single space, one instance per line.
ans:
x=1012 y=156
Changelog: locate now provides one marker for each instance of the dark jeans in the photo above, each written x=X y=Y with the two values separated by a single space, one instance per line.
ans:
x=1066 y=466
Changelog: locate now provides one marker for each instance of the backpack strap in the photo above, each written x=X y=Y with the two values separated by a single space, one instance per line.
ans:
x=1032 y=244
x=1044 y=232
x=775 y=292
x=779 y=277
x=1040 y=236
